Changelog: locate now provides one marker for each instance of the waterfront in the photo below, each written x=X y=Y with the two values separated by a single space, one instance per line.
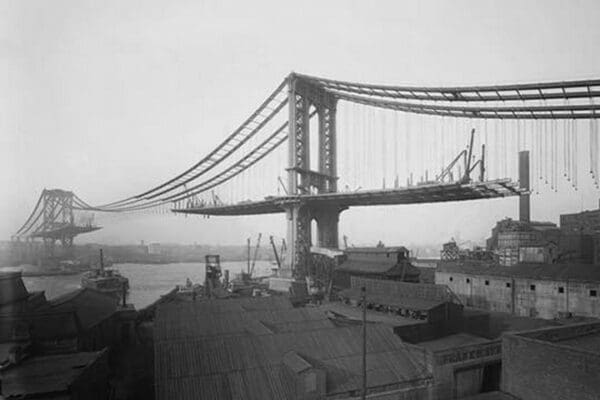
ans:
x=146 y=282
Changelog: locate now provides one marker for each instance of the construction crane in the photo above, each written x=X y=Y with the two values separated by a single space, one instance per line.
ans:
x=275 y=252
x=255 y=254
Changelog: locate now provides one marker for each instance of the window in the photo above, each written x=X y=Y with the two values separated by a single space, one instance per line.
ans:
x=451 y=279
x=561 y=289
x=532 y=287
x=593 y=293
x=468 y=280
x=487 y=283
x=507 y=284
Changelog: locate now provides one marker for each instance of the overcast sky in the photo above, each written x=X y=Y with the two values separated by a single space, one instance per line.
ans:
x=107 y=98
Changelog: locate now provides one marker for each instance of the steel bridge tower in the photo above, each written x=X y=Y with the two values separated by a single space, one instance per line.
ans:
x=305 y=101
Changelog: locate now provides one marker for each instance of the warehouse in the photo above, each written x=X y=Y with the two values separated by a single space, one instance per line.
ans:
x=531 y=290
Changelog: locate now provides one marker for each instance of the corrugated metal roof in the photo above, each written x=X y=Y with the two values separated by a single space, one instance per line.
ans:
x=47 y=374
x=337 y=350
x=185 y=322
x=562 y=272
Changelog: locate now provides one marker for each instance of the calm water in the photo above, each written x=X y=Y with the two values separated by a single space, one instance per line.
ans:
x=146 y=282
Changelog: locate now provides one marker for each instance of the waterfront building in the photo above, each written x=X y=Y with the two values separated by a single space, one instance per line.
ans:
x=526 y=289
x=390 y=263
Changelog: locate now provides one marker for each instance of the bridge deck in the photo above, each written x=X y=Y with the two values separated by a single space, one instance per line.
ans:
x=66 y=230
x=430 y=193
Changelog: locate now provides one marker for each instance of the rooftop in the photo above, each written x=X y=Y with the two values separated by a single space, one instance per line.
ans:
x=90 y=306
x=355 y=314
x=222 y=361
x=582 y=336
x=247 y=348
x=178 y=323
x=47 y=374
x=12 y=287
x=452 y=341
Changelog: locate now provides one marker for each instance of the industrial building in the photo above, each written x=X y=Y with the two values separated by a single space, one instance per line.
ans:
x=261 y=348
x=551 y=363
x=526 y=289
x=390 y=263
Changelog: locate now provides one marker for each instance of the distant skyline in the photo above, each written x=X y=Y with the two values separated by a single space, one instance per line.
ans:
x=110 y=98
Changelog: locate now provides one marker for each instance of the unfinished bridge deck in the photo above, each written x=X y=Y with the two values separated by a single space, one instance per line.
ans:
x=426 y=193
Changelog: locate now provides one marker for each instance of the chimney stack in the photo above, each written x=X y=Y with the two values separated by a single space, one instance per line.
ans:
x=524 y=206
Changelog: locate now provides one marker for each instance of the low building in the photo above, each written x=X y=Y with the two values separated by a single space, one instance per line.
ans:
x=391 y=263
x=269 y=350
x=531 y=290
x=552 y=363
x=71 y=376
x=435 y=305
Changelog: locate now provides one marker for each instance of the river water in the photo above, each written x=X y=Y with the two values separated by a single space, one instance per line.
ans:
x=146 y=281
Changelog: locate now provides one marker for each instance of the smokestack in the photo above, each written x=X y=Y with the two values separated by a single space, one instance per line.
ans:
x=524 y=206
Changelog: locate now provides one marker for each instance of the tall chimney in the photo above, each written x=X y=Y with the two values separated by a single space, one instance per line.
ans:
x=524 y=206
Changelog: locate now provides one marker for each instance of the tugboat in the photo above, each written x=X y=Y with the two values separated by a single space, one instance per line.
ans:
x=105 y=280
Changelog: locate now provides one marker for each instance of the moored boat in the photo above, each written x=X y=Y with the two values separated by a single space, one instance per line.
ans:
x=105 y=280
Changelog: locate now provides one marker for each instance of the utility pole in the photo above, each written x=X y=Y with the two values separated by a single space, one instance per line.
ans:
x=364 y=342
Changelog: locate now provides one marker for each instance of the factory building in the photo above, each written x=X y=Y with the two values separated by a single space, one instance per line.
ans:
x=552 y=363
x=262 y=348
x=526 y=289
x=389 y=263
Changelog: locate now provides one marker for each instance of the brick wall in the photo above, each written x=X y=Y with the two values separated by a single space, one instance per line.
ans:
x=537 y=370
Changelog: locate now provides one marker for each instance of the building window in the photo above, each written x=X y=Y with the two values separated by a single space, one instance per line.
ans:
x=561 y=289
x=593 y=293
x=507 y=284
x=532 y=287
x=451 y=279
x=487 y=283
x=468 y=280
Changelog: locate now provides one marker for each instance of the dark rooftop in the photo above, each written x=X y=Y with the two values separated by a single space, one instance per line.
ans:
x=12 y=287
x=452 y=341
x=222 y=349
x=183 y=366
x=45 y=375
x=90 y=306
x=177 y=322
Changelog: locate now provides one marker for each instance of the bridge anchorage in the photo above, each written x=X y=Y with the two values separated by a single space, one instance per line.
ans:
x=53 y=220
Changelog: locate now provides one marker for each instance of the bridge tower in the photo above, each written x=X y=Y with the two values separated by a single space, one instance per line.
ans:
x=307 y=100
x=57 y=213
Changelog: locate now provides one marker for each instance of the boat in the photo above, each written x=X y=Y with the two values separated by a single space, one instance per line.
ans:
x=106 y=280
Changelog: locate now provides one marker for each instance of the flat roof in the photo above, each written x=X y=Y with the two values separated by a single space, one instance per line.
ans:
x=452 y=341
x=46 y=374
x=355 y=314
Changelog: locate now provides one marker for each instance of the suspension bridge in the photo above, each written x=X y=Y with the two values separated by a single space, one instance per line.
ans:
x=355 y=144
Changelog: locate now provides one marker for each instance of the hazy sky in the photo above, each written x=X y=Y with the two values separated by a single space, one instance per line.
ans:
x=107 y=98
